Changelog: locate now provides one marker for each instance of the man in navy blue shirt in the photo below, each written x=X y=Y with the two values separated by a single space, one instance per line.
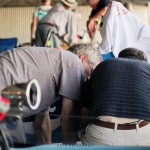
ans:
x=117 y=97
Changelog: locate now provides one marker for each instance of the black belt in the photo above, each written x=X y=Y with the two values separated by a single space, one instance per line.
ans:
x=125 y=126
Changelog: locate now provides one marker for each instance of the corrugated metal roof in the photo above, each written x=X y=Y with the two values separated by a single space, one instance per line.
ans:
x=20 y=3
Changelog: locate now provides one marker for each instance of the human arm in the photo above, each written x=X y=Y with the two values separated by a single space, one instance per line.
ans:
x=34 y=24
x=67 y=124
x=42 y=126
x=33 y=28
x=85 y=104
x=84 y=113
x=70 y=89
x=92 y=22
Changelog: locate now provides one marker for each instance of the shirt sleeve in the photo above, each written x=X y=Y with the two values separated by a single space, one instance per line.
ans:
x=35 y=14
x=70 y=83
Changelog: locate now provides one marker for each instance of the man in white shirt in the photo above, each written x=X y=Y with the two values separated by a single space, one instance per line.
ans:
x=59 y=73
x=120 y=29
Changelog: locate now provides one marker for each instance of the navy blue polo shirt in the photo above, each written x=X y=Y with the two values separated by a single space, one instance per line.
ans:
x=120 y=87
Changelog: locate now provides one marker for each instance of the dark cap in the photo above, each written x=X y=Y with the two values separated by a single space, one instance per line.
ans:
x=44 y=1
x=103 y=3
x=100 y=5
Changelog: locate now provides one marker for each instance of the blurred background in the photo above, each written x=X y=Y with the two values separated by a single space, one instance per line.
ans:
x=16 y=16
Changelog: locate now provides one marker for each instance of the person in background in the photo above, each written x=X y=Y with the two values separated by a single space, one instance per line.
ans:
x=120 y=28
x=117 y=99
x=96 y=14
x=38 y=14
x=59 y=74
x=59 y=21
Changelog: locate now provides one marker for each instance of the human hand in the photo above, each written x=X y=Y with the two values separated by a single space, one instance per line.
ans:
x=33 y=43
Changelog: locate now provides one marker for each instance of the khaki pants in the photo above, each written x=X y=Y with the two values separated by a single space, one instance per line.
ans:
x=97 y=135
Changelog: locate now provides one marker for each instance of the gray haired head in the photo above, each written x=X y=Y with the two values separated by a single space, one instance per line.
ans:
x=91 y=51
